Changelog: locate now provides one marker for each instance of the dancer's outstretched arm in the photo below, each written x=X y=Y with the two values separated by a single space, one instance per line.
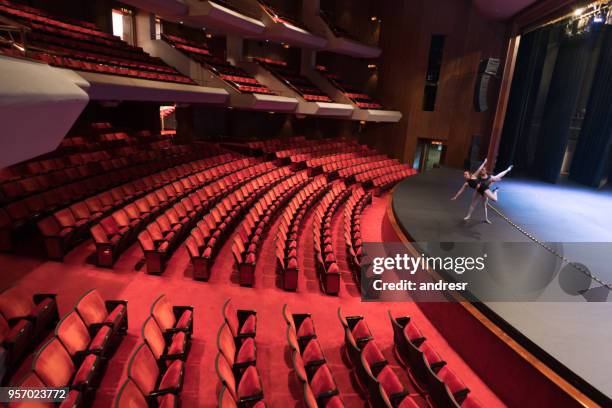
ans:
x=501 y=175
x=461 y=190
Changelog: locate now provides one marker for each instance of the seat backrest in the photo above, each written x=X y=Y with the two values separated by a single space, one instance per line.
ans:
x=226 y=344
x=143 y=369
x=145 y=241
x=15 y=303
x=130 y=396
x=288 y=316
x=153 y=336
x=49 y=227
x=298 y=366
x=91 y=307
x=162 y=312
x=98 y=234
x=73 y=333
x=310 y=400
x=53 y=365
x=225 y=399
x=231 y=316
x=225 y=374
x=65 y=218
x=292 y=338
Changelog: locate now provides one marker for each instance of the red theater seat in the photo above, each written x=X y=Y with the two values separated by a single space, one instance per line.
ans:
x=15 y=341
x=75 y=337
x=31 y=380
x=130 y=396
x=238 y=354
x=446 y=389
x=174 y=347
x=97 y=313
x=145 y=372
x=244 y=386
x=40 y=309
x=172 y=319
x=242 y=323
x=301 y=323
x=55 y=367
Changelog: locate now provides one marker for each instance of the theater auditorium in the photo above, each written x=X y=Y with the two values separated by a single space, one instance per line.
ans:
x=191 y=193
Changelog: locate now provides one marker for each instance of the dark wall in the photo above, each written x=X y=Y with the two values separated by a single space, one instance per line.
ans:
x=406 y=29
x=128 y=115
x=206 y=123
x=356 y=20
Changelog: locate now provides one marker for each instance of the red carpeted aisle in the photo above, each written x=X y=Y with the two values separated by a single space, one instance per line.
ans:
x=71 y=278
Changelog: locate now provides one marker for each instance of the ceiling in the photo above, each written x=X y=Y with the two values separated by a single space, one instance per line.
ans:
x=501 y=9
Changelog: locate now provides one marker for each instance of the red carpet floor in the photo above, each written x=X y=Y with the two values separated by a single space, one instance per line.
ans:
x=71 y=278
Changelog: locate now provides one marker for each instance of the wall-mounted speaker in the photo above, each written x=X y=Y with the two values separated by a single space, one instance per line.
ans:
x=487 y=70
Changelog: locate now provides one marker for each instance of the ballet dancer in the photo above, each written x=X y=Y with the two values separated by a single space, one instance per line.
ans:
x=481 y=182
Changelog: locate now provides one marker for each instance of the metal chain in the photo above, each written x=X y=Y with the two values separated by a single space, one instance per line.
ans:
x=551 y=250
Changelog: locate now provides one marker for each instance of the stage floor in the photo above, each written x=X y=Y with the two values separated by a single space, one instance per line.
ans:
x=577 y=333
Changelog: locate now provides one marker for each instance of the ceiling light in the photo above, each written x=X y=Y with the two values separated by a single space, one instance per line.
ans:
x=180 y=22
x=285 y=45
x=209 y=35
x=373 y=18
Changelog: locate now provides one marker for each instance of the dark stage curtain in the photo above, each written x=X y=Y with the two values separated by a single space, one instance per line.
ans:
x=514 y=147
x=565 y=87
x=591 y=162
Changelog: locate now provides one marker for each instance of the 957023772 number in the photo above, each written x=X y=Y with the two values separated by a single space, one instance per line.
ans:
x=14 y=394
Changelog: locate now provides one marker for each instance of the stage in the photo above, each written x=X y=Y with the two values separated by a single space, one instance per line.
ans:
x=574 y=331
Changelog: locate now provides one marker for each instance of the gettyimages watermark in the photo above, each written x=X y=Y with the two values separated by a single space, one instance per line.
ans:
x=494 y=272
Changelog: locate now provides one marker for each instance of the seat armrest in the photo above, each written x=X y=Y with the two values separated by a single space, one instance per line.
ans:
x=327 y=394
x=39 y=297
x=112 y=304
x=402 y=320
x=418 y=341
x=435 y=367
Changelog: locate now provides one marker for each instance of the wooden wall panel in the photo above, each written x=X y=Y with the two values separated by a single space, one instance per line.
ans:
x=406 y=29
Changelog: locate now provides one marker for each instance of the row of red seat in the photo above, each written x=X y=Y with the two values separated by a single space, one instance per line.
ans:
x=161 y=238
x=428 y=371
x=101 y=177
x=388 y=180
x=116 y=232
x=42 y=17
x=156 y=368
x=289 y=230
x=320 y=146
x=299 y=160
x=126 y=56
x=275 y=144
x=367 y=177
x=359 y=98
x=233 y=75
x=333 y=169
x=215 y=227
x=321 y=161
x=373 y=371
x=351 y=171
x=77 y=355
x=236 y=361
x=25 y=321
x=35 y=177
x=299 y=83
x=309 y=363
x=355 y=205
x=247 y=242
x=86 y=49
x=326 y=265
x=69 y=226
